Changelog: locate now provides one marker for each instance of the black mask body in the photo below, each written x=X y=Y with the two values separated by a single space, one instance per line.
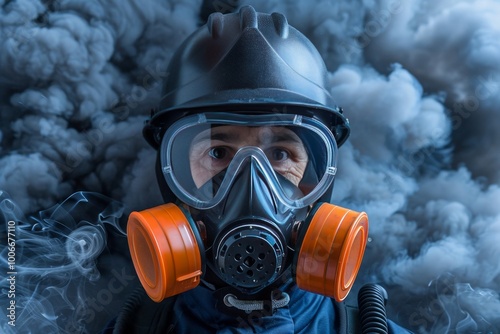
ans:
x=248 y=228
x=249 y=236
x=247 y=244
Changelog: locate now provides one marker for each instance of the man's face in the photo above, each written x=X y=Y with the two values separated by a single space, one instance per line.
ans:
x=212 y=150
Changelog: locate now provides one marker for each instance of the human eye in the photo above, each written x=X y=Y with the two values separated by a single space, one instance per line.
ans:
x=288 y=160
x=217 y=158
x=218 y=152
x=278 y=155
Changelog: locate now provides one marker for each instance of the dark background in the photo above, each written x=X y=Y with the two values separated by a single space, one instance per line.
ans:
x=419 y=81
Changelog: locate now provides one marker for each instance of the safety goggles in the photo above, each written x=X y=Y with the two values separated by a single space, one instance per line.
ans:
x=201 y=156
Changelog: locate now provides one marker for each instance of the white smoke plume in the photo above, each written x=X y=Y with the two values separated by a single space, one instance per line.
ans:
x=418 y=80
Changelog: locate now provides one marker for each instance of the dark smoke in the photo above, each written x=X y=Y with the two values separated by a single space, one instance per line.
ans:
x=419 y=81
x=69 y=267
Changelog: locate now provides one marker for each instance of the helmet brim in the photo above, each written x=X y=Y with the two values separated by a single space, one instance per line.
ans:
x=250 y=101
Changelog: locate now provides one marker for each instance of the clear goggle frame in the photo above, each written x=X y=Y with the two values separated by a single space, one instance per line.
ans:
x=178 y=163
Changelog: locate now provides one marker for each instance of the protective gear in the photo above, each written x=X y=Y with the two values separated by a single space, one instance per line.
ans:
x=246 y=61
x=252 y=218
x=280 y=141
x=167 y=252
x=247 y=151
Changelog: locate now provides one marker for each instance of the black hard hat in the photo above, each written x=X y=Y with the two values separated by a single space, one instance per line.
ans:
x=246 y=62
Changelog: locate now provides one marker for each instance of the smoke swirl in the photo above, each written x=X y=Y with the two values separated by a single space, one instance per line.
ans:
x=419 y=81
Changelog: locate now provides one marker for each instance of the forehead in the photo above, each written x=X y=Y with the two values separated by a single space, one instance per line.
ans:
x=255 y=134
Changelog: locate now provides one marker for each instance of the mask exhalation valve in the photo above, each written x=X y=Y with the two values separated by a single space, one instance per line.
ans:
x=249 y=256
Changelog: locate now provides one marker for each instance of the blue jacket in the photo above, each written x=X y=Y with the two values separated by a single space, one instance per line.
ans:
x=194 y=312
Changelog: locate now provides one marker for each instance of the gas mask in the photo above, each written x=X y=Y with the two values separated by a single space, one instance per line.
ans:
x=248 y=187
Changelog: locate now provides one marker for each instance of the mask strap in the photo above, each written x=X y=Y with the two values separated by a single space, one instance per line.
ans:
x=278 y=300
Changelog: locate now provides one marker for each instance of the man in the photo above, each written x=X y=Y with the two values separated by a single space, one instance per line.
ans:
x=247 y=242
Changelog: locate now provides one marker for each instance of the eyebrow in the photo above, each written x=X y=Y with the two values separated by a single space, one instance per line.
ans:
x=283 y=136
x=214 y=136
x=223 y=136
x=286 y=137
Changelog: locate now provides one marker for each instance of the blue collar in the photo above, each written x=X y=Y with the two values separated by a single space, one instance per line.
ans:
x=195 y=312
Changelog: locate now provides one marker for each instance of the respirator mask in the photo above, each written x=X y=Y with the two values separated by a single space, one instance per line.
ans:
x=248 y=209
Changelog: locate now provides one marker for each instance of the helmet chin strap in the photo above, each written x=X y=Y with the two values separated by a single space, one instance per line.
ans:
x=279 y=299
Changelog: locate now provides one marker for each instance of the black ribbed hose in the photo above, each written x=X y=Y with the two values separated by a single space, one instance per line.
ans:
x=126 y=318
x=371 y=303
